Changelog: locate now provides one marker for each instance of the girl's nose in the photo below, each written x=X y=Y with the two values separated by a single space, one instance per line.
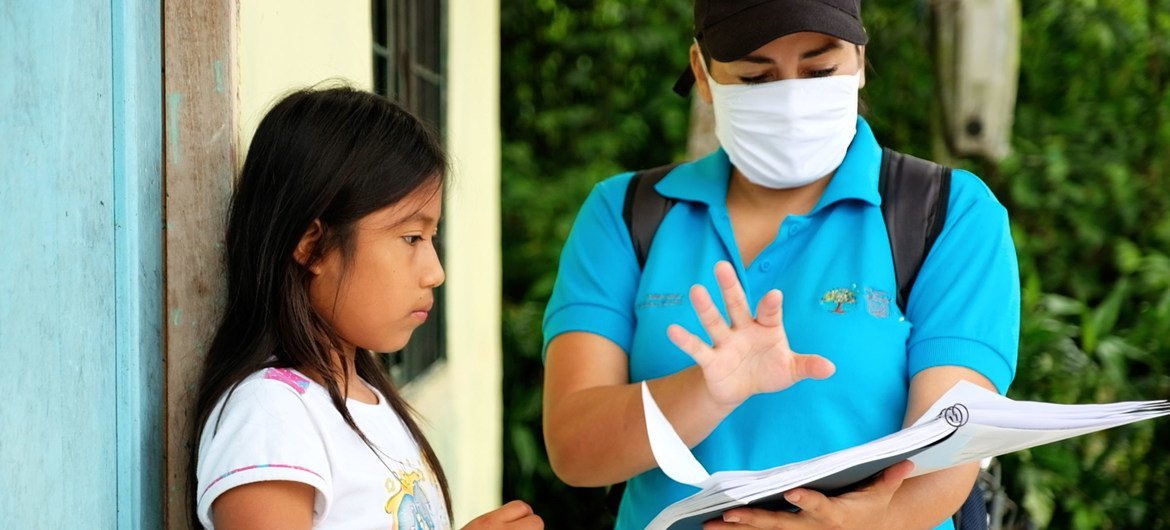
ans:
x=434 y=276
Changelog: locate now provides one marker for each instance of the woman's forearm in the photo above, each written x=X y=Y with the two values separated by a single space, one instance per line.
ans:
x=925 y=501
x=597 y=436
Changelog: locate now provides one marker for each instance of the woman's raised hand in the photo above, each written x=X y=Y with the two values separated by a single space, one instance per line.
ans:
x=516 y=515
x=751 y=355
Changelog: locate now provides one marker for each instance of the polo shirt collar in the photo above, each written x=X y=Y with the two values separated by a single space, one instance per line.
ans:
x=705 y=180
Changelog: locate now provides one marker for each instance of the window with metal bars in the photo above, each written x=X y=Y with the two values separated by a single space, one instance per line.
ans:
x=410 y=52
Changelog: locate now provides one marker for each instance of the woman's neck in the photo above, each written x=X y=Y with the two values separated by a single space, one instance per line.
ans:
x=749 y=197
x=757 y=212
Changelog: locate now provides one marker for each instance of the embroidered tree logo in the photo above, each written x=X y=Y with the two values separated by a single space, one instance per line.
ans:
x=841 y=297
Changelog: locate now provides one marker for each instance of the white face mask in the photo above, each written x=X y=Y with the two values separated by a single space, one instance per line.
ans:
x=790 y=133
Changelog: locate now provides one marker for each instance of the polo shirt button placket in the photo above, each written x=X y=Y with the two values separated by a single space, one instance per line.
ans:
x=765 y=266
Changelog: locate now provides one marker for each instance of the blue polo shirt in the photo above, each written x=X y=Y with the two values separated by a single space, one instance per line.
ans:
x=835 y=268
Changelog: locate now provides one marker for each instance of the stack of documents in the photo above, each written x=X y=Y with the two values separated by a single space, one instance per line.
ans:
x=967 y=424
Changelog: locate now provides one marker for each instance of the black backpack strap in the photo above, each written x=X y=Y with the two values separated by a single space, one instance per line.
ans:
x=914 y=194
x=645 y=209
x=643 y=212
x=914 y=205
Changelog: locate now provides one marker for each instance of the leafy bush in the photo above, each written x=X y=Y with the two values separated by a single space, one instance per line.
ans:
x=586 y=94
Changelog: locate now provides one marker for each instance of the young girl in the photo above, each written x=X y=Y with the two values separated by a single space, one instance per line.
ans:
x=330 y=257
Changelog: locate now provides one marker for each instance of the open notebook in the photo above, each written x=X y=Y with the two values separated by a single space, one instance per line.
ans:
x=967 y=424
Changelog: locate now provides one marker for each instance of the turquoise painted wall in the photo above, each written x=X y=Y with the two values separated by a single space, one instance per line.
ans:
x=81 y=288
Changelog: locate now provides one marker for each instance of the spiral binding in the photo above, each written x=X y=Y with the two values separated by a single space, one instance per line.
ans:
x=956 y=415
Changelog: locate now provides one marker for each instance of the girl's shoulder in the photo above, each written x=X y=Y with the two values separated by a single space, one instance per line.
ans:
x=275 y=382
x=285 y=379
x=278 y=391
x=265 y=428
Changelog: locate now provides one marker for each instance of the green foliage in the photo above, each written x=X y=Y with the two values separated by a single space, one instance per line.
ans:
x=586 y=94
x=1087 y=191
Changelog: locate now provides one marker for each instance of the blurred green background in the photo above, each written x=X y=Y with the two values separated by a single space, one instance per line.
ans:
x=586 y=94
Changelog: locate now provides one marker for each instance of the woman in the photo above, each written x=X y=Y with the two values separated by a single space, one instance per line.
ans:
x=789 y=204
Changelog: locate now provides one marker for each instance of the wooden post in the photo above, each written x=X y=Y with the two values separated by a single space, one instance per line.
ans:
x=200 y=131
x=701 y=139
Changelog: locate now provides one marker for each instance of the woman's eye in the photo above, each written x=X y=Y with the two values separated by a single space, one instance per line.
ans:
x=763 y=78
x=412 y=240
x=826 y=72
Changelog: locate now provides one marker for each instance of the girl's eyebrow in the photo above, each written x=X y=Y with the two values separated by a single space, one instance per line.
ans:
x=416 y=216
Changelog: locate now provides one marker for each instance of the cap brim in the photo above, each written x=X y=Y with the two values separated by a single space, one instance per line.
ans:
x=685 y=82
x=748 y=30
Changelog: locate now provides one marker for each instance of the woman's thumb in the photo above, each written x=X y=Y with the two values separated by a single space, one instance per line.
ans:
x=812 y=367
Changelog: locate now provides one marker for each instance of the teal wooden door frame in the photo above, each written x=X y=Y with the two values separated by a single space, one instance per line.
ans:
x=140 y=294
x=81 y=283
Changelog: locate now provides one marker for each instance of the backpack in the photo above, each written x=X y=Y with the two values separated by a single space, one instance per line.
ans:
x=914 y=206
x=914 y=195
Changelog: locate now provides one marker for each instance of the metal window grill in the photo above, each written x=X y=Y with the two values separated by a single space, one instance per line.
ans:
x=409 y=54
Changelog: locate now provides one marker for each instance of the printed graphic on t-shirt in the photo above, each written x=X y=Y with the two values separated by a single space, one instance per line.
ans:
x=409 y=506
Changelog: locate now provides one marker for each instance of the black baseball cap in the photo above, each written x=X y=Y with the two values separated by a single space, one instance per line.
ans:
x=730 y=29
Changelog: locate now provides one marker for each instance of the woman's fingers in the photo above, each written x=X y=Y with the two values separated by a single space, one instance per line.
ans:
x=733 y=296
x=688 y=342
x=811 y=503
x=709 y=315
x=817 y=510
x=892 y=478
x=770 y=312
x=754 y=518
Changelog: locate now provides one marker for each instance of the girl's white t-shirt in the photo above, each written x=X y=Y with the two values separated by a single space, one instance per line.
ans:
x=279 y=425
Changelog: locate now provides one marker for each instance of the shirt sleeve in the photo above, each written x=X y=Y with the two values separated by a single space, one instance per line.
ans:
x=264 y=432
x=965 y=303
x=598 y=275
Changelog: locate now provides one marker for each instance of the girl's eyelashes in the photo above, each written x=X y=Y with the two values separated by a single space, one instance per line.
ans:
x=414 y=239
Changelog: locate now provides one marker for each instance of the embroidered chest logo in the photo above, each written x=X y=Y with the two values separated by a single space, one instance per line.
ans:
x=660 y=300
x=840 y=300
x=877 y=303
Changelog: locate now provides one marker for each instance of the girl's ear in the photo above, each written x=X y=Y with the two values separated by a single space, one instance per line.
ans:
x=307 y=246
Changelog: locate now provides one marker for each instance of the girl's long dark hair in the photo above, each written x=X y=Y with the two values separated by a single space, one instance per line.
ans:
x=334 y=155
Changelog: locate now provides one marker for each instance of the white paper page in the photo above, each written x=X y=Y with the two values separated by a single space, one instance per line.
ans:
x=672 y=455
x=1071 y=419
x=990 y=408
x=973 y=442
x=966 y=393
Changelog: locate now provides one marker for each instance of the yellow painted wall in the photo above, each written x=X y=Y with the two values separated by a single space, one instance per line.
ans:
x=286 y=44
x=463 y=400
